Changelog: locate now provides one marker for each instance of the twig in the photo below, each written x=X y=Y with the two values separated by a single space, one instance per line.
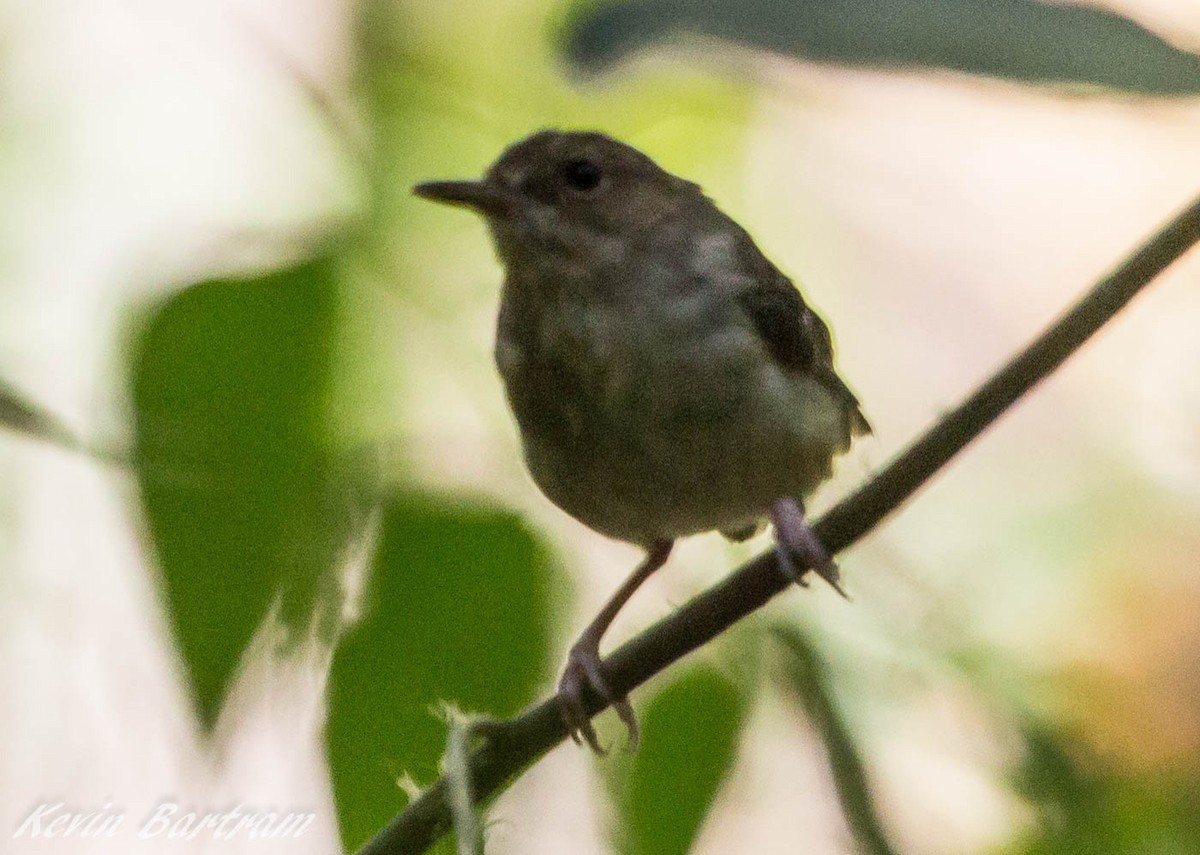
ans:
x=457 y=768
x=520 y=742
x=18 y=415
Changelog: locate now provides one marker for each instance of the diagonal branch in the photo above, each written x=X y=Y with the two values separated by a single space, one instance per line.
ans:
x=514 y=745
x=19 y=415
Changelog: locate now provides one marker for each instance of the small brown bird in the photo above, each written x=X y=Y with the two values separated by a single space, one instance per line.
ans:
x=667 y=379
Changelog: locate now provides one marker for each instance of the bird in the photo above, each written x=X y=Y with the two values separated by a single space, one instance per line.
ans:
x=665 y=377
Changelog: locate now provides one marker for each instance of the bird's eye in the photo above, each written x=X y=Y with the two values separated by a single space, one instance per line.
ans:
x=582 y=174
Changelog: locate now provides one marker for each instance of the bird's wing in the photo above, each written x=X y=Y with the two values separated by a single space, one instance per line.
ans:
x=792 y=332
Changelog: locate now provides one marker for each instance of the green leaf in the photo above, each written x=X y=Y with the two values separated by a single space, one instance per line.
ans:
x=456 y=611
x=229 y=380
x=690 y=734
x=1022 y=40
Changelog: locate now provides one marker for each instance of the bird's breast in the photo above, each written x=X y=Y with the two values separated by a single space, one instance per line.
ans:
x=598 y=371
x=633 y=422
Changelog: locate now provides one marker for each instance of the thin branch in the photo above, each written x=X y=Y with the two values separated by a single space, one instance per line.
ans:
x=518 y=743
x=20 y=416
x=462 y=800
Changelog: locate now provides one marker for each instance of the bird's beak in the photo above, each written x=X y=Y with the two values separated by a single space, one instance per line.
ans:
x=481 y=196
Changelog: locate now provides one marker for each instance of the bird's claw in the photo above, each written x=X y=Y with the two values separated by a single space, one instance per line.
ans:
x=821 y=564
x=798 y=548
x=787 y=565
x=583 y=672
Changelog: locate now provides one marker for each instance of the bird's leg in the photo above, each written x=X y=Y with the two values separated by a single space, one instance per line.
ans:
x=584 y=670
x=795 y=540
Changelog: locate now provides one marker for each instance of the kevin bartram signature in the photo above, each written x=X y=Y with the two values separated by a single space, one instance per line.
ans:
x=167 y=819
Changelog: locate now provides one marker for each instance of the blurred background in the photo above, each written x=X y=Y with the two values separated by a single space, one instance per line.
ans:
x=263 y=513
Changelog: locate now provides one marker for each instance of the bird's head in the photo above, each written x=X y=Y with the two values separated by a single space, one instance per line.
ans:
x=574 y=194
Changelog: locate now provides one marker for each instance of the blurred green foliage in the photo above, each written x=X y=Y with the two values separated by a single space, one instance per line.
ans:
x=229 y=385
x=456 y=611
x=1086 y=806
x=1021 y=40
x=690 y=732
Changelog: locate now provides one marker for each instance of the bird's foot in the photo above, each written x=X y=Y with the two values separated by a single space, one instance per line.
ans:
x=584 y=671
x=798 y=548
